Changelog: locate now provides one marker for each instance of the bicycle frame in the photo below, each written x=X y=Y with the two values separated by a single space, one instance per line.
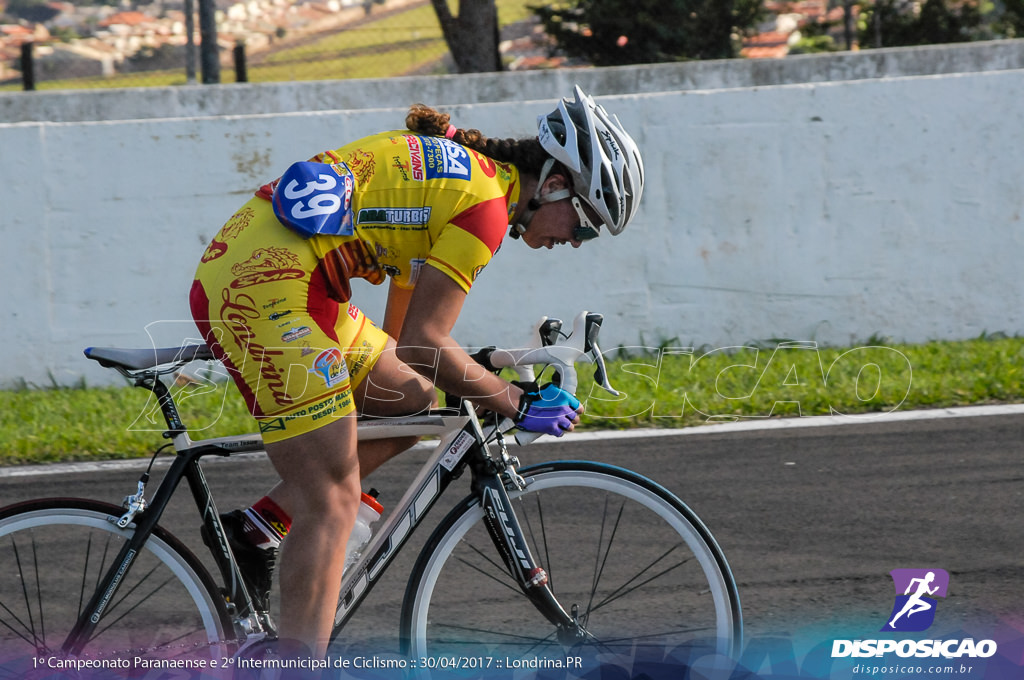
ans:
x=464 y=446
x=464 y=443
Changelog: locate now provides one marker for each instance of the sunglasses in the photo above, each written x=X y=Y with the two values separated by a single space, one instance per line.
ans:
x=586 y=229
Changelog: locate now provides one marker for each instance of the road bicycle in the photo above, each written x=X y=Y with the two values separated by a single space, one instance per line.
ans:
x=536 y=560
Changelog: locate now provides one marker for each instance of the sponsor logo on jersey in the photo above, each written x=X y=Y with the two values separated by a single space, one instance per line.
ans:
x=444 y=158
x=362 y=164
x=417 y=216
x=266 y=265
x=415 y=157
x=296 y=333
x=402 y=167
x=330 y=366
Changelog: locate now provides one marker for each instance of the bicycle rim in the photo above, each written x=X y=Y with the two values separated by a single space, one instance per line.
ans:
x=52 y=554
x=643 y=572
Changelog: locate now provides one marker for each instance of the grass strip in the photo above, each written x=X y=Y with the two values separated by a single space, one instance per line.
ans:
x=660 y=387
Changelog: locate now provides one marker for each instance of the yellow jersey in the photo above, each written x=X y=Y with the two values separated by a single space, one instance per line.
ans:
x=421 y=200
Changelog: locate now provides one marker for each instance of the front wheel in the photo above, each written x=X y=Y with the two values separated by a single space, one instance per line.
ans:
x=638 y=567
x=53 y=553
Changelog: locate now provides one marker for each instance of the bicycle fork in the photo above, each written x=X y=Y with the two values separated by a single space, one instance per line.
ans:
x=507 y=535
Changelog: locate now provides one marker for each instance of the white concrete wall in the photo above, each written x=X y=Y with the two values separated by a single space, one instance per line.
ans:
x=828 y=212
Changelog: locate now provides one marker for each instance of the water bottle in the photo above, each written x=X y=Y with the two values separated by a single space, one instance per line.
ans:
x=369 y=512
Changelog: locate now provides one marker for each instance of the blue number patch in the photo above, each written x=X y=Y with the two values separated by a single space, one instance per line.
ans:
x=315 y=198
x=445 y=158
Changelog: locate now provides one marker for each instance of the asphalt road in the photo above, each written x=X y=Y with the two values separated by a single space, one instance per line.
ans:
x=811 y=519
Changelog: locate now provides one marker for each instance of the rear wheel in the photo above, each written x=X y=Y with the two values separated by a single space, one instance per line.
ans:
x=53 y=553
x=637 y=565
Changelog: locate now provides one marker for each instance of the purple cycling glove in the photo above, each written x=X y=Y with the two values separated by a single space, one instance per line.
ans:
x=548 y=410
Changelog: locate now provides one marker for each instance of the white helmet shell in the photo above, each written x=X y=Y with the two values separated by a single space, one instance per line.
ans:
x=605 y=164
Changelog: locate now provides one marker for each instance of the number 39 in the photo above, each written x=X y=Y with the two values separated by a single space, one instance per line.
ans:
x=319 y=203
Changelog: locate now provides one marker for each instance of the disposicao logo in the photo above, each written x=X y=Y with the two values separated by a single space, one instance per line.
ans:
x=914 y=611
x=916 y=590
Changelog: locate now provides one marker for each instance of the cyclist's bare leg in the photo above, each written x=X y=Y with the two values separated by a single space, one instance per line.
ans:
x=320 y=488
x=392 y=388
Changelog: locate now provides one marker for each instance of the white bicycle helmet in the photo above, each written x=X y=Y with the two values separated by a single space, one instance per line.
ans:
x=605 y=164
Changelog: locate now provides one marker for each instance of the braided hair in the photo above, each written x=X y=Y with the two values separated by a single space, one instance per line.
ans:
x=526 y=154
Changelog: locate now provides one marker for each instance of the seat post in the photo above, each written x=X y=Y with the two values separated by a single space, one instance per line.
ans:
x=152 y=382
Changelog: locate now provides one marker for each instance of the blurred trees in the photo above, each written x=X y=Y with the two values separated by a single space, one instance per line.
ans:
x=472 y=36
x=611 y=32
x=614 y=32
x=899 y=23
x=903 y=23
x=38 y=11
x=1011 y=22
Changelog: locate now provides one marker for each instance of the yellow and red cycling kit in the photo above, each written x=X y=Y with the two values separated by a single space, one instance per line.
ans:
x=274 y=304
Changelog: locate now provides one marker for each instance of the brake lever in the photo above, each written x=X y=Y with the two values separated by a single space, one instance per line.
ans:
x=601 y=371
x=590 y=346
x=549 y=330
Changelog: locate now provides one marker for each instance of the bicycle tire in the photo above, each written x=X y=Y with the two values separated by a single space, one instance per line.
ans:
x=461 y=601
x=52 y=554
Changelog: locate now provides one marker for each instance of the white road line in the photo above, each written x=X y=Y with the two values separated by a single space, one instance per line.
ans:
x=714 y=427
x=755 y=424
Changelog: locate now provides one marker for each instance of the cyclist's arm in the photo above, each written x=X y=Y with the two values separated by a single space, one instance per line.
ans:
x=426 y=344
x=397 y=306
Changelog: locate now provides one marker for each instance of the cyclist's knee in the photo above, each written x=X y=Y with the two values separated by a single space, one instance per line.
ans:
x=328 y=499
x=319 y=469
x=393 y=388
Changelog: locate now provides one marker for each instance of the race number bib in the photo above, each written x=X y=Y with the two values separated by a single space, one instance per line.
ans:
x=315 y=198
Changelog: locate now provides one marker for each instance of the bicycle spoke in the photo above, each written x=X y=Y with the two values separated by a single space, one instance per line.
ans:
x=600 y=644
x=621 y=591
x=39 y=592
x=138 y=584
x=31 y=628
x=597 y=555
x=523 y=639
x=19 y=622
x=607 y=551
x=17 y=619
x=665 y=633
x=543 y=544
x=134 y=606
x=486 y=573
x=546 y=639
x=85 y=573
x=103 y=562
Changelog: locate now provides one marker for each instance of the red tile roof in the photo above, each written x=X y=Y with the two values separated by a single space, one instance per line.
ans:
x=777 y=52
x=127 y=19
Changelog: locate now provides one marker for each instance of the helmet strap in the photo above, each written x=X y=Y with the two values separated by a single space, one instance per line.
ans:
x=537 y=200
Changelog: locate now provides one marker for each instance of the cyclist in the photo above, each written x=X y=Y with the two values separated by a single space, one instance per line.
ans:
x=428 y=207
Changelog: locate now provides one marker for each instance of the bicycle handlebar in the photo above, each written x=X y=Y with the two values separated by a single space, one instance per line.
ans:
x=579 y=346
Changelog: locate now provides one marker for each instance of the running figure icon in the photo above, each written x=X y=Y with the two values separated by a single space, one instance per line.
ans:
x=919 y=587
x=915 y=604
